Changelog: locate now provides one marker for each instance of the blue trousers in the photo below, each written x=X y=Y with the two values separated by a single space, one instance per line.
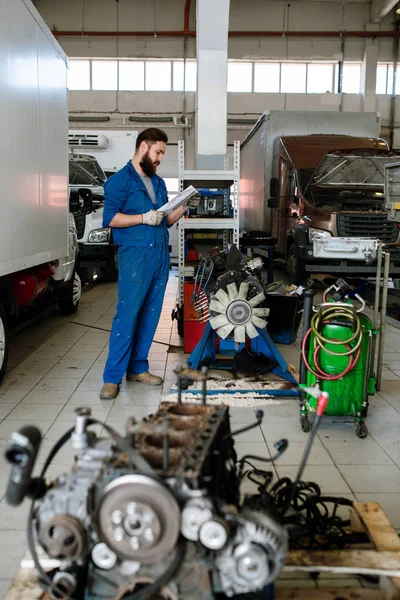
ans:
x=142 y=279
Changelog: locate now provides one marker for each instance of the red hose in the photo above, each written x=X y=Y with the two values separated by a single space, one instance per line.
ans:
x=321 y=374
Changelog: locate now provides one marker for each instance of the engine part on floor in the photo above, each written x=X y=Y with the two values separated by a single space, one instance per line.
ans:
x=336 y=355
x=21 y=452
x=158 y=512
x=150 y=507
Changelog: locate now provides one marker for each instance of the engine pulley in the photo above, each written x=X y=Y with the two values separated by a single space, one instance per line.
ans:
x=138 y=518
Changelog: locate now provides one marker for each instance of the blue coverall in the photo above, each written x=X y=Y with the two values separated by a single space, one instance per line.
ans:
x=143 y=268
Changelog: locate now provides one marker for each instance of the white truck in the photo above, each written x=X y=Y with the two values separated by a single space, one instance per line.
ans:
x=38 y=243
x=97 y=253
x=314 y=182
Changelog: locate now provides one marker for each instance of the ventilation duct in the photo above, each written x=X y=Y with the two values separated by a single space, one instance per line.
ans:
x=74 y=119
x=84 y=140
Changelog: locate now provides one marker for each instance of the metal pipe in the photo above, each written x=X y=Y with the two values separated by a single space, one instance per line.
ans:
x=375 y=322
x=394 y=84
x=307 y=313
x=186 y=16
x=301 y=34
x=383 y=320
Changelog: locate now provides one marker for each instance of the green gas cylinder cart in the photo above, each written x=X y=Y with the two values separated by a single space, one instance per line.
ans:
x=337 y=351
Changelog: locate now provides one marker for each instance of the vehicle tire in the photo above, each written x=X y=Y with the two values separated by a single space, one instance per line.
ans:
x=4 y=342
x=296 y=266
x=69 y=296
x=110 y=273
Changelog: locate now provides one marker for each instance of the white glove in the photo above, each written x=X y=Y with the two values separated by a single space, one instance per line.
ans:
x=194 y=201
x=153 y=218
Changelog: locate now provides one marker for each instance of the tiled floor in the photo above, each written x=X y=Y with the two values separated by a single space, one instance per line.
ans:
x=57 y=365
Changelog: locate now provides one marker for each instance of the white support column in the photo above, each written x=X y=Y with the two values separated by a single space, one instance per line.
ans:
x=211 y=96
x=381 y=8
x=368 y=73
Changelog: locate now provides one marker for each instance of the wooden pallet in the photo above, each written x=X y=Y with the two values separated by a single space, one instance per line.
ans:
x=381 y=558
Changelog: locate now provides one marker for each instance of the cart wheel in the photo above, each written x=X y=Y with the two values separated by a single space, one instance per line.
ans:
x=305 y=424
x=361 y=430
x=186 y=382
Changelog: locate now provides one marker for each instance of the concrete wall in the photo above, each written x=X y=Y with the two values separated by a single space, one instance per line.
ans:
x=157 y=15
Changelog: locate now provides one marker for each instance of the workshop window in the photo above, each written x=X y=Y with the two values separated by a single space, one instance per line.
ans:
x=131 y=75
x=267 y=77
x=184 y=75
x=320 y=78
x=384 y=79
x=104 y=75
x=293 y=78
x=351 y=81
x=158 y=76
x=240 y=76
x=79 y=75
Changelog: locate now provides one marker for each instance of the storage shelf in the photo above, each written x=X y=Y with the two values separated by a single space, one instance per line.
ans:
x=227 y=226
x=209 y=223
x=209 y=178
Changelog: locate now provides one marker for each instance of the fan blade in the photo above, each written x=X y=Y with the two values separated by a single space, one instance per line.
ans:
x=261 y=312
x=257 y=299
x=224 y=331
x=223 y=297
x=257 y=322
x=218 y=321
x=251 y=331
x=240 y=334
x=244 y=288
x=217 y=307
x=232 y=291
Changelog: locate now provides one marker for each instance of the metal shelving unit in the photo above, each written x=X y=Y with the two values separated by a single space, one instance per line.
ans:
x=223 y=179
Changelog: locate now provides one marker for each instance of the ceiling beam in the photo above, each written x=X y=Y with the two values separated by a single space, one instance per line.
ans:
x=380 y=8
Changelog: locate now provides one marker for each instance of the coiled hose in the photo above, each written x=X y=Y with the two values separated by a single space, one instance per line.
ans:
x=324 y=317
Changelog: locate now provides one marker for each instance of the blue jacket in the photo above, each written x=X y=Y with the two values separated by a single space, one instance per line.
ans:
x=126 y=193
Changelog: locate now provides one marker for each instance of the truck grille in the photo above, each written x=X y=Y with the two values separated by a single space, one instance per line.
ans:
x=374 y=225
x=80 y=223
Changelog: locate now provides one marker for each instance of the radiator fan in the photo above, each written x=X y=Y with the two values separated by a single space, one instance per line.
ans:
x=235 y=314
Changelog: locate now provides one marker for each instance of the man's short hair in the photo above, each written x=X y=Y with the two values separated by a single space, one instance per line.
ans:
x=151 y=136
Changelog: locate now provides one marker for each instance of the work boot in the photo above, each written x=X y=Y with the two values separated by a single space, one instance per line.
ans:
x=146 y=378
x=109 y=391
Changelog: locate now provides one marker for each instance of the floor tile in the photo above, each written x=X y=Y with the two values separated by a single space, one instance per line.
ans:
x=294 y=453
x=361 y=452
x=372 y=478
x=5 y=584
x=46 y=397
x=57 y=385
x=15 y=542
x=30 y=413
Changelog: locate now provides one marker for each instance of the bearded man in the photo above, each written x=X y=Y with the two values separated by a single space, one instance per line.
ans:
x=131 y=199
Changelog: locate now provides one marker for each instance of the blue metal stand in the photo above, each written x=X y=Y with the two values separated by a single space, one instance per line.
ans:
x=262 y=344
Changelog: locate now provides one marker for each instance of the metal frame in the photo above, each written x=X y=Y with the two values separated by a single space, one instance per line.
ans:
x=229 y=225
x=262 y=344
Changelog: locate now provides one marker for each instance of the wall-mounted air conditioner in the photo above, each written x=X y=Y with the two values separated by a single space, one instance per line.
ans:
x=87 y=140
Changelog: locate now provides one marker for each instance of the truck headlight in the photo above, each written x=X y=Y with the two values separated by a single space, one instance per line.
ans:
x=99 y=236
x=319 y=233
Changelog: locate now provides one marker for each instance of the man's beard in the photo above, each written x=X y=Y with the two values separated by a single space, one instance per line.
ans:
x=149 y=167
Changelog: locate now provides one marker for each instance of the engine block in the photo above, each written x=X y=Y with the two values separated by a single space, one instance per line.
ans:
x=156 y=513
